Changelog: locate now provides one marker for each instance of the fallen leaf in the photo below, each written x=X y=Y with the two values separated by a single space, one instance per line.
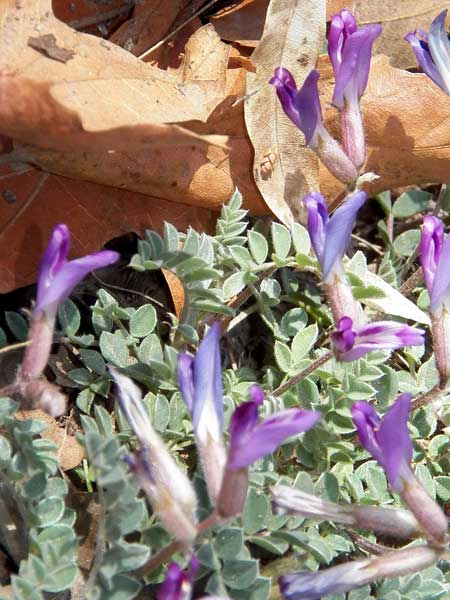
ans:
x=69 y=451
x=149 y=23
x=104 y=97
x=244 y=23
x=398 y=18
x=32 y=202
x=407 y=126
x=293 y=34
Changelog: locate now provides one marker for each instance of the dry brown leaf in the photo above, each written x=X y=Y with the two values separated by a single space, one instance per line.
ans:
x=32 y=202
x=149 y=23
x=292 y=37
x=398 y=18
x=244 y=23
x=69 y=452
x=103 y=96
x=407 y=125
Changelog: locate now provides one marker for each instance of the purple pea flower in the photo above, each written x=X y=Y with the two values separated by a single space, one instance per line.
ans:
x=433 y=51
x=178 y=583
x=435 y=259
x=57 y=277
x=350 y=51
x=388 y=441
x=354 y=341
x=251 y=440
x=200 y=382
x=307 y=585
x=330 y=238
x=303 y=108
x=168 y=489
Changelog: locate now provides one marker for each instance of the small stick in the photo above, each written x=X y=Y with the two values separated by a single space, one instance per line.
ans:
x=303 y=374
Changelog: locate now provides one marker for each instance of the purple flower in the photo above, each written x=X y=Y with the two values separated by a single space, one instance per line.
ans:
x=331 y=236
x=178 y=583
x=58 y=276
x=200 y=382
x=342 y=578
x=354 y=341
x=303 y=108
x=250 y=440
x=167 y=487
x=387 y=439
x=435 y=258
x=433 y=51
x=350 y=50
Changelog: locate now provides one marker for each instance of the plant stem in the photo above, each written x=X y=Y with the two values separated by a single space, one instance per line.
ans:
x=303 y=374
x=164 y=555
x=99 y=545
x=14 y=346
x=425 y=398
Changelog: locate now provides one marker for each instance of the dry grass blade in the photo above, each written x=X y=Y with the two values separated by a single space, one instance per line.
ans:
x=284 y=169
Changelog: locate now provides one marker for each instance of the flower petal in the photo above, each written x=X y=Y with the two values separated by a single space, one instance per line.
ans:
x=53 y=258
x=367 y=423
x=424 y=58
x=185 y=375
x=353 y=74
x=339 y=230
x=268 y=435
x=244 y=420
x=341 y=27
x=441 y=280
x=439 y=47
x=431 y=241
x=207 y=410
x=393 y=436
x=307 y=103
x=70 y=274
x=317 y=221
x=286 y=90
x=344 y=337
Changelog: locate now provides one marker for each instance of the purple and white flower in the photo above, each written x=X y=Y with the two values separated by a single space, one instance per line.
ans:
x=168 y=489
x=57 y=278
x=388 y=441
x=354 y=341
x=178 y=582
x=302 y=106
x=200 y=382
x=393 y=522
x=330 y=238
x=432 y=51
x=307 y=585
x=435 y=259
x=251 y=440
x=350 y=51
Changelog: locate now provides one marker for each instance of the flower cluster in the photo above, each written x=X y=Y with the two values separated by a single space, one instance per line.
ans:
x=349 y=49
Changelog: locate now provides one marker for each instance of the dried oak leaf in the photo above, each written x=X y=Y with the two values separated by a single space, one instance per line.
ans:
x=104 y=97
x=397 y=18
x=32 y=202
x=292 y=37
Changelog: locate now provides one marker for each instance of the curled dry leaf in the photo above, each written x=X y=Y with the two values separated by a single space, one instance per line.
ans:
x=398 y=18
x=293 y=35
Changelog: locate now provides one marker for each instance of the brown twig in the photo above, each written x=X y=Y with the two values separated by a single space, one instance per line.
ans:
x=425 y=398
x=26 y=204
x=367 y=545
x=413 y=281
x=303 y=374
